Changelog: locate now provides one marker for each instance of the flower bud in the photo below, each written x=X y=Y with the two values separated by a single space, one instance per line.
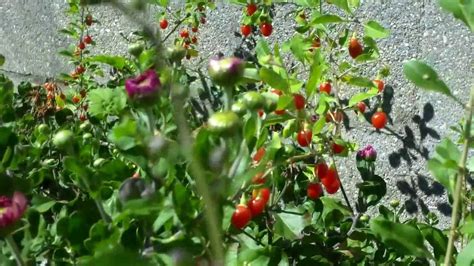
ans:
x=224 y=122
x=226 y=72
x=63 y=138
x=144 y=88
x=368 y=153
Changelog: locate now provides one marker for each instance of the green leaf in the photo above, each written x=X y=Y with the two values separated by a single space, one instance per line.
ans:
x=466 y=256
x=317 y=68
x=333 y=210
x=298 y=46
x=273 y=79
x=404 y=238
x=2 y=60
x=374 y=30
x=361 y=97
x=124 y=135
x=319 y=125
x=358 y=81
x=104 y=102
x=444 y=163
x=342 y=4
x=468 y=228
x=42 y=204
x=463 y=10
x=114 y=61
x=424 y=77
x=329 y=18
x=437 y=240
x=289 y=225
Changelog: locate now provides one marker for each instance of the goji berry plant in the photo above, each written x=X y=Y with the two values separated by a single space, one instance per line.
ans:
x=165 y=157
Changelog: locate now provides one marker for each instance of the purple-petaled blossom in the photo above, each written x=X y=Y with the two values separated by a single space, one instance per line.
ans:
x=368 y=153
x=144 y=87
x=12 y=209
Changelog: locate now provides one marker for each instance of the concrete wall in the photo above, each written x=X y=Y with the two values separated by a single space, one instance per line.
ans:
x=30 y=41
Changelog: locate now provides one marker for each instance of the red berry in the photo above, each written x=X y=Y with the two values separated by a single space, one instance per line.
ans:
x=379 y=83
x=265 y=194
x=325 y=87
x=62 y=96
x=304 y=137
x=203 y=20
x=245 y=30
x=85 y=107
x=88 y=39
x=88 y=20
x=163 y=24
x=82 y=45
x=259 y=155
x=256 y=206
x=333 y=187
x=251 y=8
x=361 y=107
x=320 y=170
x=266 y=29
x=331 y=181
x=83 y=117
x=80 y=69
x=258 y=179
x=314 y=191
x=261 y=113
x=241 y=216
x=76 y=99
x=379 y=119
x=336 y=148
x=83 y=93
x=194 y=39
x=355 y=48
x=299 y=101
x=184 y=33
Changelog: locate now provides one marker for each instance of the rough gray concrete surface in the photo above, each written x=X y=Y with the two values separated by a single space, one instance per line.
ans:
x=30 y=40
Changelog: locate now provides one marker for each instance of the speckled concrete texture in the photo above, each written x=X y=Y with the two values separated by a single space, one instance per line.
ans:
x=30 y=40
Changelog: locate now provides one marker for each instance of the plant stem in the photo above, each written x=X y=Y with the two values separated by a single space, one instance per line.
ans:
x=458 y=192
x=16 y=251
x=210 y=207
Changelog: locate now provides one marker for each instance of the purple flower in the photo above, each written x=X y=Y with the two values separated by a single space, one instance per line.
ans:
x=145 y=87
x=12 y=209
x=368 y=153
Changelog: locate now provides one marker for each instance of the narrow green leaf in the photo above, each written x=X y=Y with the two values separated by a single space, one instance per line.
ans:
x=424 y=77
x=358 y=81
x=374 y=30
x=114 y=61
x=319 y=125
x=329 y=18
x=317 y=68
x=361 y=97
x=2 y=60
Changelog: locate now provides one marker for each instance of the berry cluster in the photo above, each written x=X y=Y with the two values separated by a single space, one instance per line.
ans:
x=253 y=16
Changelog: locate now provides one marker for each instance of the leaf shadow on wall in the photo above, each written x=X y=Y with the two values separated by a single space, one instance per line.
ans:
x=413 y=150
